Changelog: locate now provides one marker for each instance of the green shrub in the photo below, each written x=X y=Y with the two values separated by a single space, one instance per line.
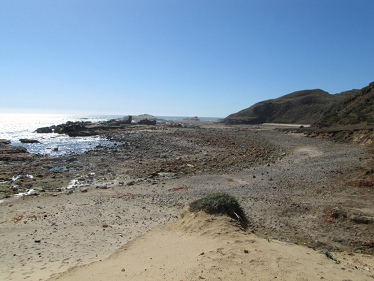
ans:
x=220 y=204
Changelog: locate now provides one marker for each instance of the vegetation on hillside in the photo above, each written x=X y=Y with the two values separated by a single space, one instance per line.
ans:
x=303 y=107
x=358 y=109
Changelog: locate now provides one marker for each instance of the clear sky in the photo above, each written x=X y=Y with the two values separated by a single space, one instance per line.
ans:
x=175 y=57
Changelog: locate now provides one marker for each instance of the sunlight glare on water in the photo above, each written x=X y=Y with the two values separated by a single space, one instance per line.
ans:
x=14 y=127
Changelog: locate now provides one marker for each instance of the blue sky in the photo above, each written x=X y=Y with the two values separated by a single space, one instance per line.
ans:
x=178 y=58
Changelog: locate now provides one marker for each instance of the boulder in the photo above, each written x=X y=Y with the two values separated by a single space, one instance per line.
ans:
x=28 y=141
x=4 y=142
x=8 y=149
x=147 y=122
x=137 y=119
x=73 y=129
x=192 y=119
x=13 y=153
x=44 y=130
x=124 y=120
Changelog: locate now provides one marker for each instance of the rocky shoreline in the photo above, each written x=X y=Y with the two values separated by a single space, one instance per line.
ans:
x=144 y=153
x=293 y=188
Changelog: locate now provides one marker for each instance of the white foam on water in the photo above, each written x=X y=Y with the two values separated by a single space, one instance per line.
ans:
x=29 y=192
x=72 y=184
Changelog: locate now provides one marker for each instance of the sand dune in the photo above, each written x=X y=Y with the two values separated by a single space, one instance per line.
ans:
x=204 y=247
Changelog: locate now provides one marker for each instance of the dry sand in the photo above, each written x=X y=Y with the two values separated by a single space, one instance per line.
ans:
x=204 y=247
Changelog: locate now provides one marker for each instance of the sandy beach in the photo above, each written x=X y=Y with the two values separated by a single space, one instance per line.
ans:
x=203 y=247
x=126 y=218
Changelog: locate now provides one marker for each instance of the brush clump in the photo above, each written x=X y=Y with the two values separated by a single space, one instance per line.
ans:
x=220 y=204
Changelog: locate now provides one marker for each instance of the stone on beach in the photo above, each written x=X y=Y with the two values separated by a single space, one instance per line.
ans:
x=29 y=141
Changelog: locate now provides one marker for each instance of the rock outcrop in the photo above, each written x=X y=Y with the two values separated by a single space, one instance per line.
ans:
x=74 y=129
x=147 y=122
x=87 y=128
x=44 y=130
x=4 y=142
x=28 y=141
x=195 y=118
x=12 y=153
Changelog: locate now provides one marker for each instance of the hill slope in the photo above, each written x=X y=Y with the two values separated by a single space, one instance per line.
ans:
x=303 y=107
x=357 y=110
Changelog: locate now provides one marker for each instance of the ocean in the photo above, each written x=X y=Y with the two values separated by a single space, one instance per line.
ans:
x=14 y=127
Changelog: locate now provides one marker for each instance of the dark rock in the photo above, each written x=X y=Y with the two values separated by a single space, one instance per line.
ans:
x=72 y=129
x=116 y=122
x=4 y=142
x=13 y=153
x=28 y=141
x=147 y=122
x=102 y=187
x=82 y=129
x=75 y=130
x=192 y=119
x=362 y=220
x=12 y=149
x=44 y=130
x=72 y=159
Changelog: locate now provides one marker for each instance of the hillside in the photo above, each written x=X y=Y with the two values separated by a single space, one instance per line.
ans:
x=355 y=111
x=303 y=107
